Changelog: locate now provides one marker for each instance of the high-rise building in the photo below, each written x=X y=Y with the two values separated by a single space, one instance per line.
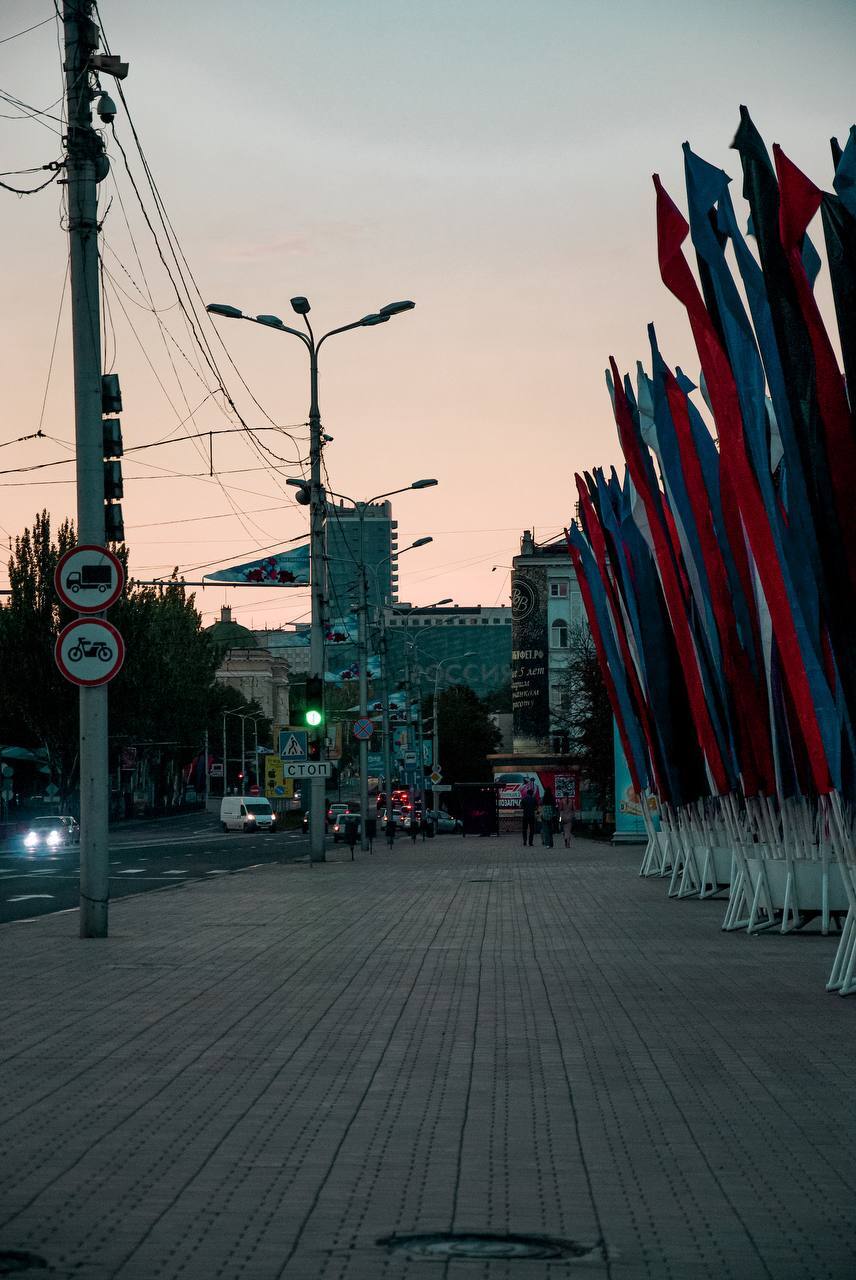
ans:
x=380 y=546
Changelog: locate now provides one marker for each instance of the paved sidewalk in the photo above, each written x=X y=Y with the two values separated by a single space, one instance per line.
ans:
x=265 y=1075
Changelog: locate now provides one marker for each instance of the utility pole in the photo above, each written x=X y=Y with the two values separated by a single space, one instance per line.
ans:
x=85 y=166
x=318 y=579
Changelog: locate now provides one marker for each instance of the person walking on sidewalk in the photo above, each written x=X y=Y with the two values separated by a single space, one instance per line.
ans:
x=548 y=814
x=566 y=819
x=528 y=804
x=390 y=831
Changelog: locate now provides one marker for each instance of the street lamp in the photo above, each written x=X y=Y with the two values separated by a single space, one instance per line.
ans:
x=235 y=712
x=300 y=306
x=436 y=750
x=408 y=646
x=362 y=628
x=384 y=647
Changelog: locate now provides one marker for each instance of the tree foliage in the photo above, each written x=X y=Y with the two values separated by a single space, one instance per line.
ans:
x=467 y=735
x=586 y=717
x=38 y=708
x=165 y=693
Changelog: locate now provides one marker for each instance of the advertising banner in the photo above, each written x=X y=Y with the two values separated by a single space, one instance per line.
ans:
x=512 y=783
x=276 y=787
x=629 y=823
x=286 y=569
x=530 y=688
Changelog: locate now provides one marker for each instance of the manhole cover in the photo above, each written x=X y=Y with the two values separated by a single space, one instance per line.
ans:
x=487 y=1245
x=14 y=1261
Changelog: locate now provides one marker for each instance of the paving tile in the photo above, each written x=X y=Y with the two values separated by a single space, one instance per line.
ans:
x=260 y=1076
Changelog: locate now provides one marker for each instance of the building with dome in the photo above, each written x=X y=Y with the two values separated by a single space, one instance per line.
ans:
x=255 y=672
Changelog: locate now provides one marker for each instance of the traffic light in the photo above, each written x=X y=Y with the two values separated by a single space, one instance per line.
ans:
x=313 y=749
x=111 y=427
x=313 y=714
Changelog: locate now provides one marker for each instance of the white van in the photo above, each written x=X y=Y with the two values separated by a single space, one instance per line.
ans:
x=247 y=813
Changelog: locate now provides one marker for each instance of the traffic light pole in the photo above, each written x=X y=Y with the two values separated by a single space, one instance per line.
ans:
x=83 y=149
x=317 y=574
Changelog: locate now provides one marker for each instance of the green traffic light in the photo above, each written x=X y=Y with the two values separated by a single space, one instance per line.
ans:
x=313 y=718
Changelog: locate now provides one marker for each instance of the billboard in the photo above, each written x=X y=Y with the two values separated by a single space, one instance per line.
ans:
x=276 y=787
x=286 y=569
x=511 y=784
x=530 y=686
x=629 y=823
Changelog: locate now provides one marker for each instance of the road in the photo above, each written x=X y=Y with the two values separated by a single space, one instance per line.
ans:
x=145 y=857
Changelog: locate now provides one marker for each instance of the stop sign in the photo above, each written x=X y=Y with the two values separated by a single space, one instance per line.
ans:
x=254 y=790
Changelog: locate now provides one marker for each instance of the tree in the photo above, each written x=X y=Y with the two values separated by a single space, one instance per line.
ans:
x=38 y=707
x=467 y=736
x=165 y=694
x=586 y=717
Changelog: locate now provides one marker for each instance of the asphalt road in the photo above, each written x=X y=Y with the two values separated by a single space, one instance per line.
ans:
x=145 y=857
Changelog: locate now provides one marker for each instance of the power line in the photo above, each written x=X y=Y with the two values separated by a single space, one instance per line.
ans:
x=27 y=30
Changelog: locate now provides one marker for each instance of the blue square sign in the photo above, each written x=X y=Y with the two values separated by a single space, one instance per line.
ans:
x=292 y=745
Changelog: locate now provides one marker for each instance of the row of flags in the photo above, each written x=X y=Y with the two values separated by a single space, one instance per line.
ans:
x=718 y=572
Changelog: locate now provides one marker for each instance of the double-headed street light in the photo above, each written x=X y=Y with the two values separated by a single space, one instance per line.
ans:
x=414 y=646
x=436 y=751
x=362 y=632
x=300 y=306
x=384 y=647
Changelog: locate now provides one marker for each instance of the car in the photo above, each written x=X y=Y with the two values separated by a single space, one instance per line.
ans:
x=443 y=823
x=334 y=811
x=342 y=823
x=55 y=831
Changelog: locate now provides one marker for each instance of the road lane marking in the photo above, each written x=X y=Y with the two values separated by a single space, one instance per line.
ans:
x=175 y=873
x=25 y=897
x=133 y=871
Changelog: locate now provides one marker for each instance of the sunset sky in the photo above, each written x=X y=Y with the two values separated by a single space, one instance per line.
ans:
x=492 y=161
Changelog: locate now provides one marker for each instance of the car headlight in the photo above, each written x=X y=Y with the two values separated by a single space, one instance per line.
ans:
x=54 y=838
x=31 y=840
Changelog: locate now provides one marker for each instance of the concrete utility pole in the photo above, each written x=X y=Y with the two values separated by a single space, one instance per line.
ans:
x=84 y=153
x=363 y=661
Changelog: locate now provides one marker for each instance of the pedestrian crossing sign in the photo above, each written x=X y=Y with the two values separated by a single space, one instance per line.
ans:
x=292 y=744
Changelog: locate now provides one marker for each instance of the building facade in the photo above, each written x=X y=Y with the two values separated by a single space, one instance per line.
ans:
x=471 y=642
x=380 y=548
x=256 y=672
x=546 y=604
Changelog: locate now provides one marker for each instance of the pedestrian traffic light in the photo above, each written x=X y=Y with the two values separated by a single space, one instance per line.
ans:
x=313 y=749
x=111 y=428
x=313 y=714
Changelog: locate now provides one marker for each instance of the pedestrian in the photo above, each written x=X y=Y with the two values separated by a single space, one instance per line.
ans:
x=528 y=804
x=390 y=831
x=548 y=813
x=414 y=826
x=566 y=818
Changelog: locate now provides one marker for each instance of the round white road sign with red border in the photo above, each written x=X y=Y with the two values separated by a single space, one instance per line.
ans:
x=89 y=651
x=89 y=579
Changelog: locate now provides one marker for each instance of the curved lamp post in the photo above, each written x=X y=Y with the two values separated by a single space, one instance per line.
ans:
x=300 y=306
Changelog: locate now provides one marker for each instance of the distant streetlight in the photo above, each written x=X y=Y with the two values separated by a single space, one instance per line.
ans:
x=362 y=630
x=436 y=751
x=301 y=307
